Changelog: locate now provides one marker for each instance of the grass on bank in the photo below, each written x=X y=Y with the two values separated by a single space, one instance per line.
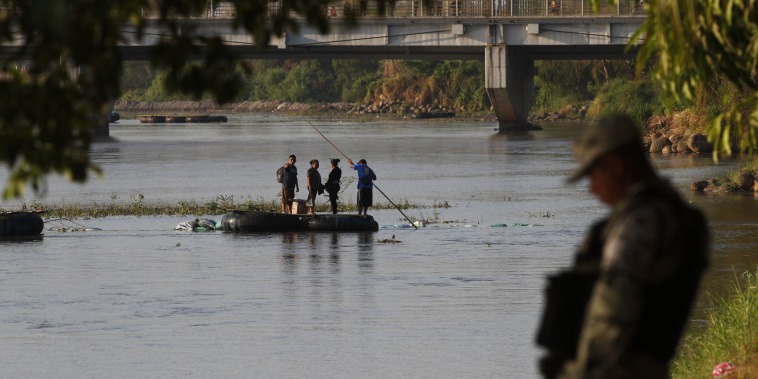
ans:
x=731 y=335
x=220 y=205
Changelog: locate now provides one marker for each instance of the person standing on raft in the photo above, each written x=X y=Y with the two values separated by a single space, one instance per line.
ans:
x=366 y=179
x=289 y=184
x=314 y=185
x=333 y=183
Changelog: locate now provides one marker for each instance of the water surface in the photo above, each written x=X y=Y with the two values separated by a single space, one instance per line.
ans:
x=459 y=299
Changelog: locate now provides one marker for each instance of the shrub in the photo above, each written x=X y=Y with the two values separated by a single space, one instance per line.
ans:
x=639 y=99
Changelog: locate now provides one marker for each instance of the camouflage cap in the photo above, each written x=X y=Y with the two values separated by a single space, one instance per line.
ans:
x=600 y=139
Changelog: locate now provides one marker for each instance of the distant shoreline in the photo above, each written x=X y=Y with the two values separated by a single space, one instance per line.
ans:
x=132 y=109
x=207 y=106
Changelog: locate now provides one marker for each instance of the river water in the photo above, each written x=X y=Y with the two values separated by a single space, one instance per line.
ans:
x=455 y=299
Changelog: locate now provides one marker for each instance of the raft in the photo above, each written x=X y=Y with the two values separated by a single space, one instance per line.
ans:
x=15 y=224
x=255 y=221
x=151 y=119
x=424 y=115
x=339 y=223
x=178 y=119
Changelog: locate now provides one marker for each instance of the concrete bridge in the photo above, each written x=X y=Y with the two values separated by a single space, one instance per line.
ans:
x=509 y=35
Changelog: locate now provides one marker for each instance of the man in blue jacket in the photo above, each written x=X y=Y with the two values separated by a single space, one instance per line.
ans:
x=366 y=179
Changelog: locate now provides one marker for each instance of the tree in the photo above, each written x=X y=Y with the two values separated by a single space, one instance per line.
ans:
x=61 y=64
x=695 y=42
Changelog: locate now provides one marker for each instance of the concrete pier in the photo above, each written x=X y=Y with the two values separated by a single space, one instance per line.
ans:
x=509 y=81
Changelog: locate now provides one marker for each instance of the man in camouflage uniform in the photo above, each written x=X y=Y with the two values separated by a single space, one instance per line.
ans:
x=641 y=267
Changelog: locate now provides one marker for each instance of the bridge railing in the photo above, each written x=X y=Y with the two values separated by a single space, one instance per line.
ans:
x=450 y=8
x=439 y=8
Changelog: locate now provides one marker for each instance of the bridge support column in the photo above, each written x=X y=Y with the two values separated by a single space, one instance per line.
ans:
x=509 y=81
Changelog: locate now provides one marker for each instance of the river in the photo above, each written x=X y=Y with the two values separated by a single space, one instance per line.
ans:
x=454 y=299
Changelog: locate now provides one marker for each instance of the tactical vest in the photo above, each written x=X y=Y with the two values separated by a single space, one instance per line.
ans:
x=568 y=292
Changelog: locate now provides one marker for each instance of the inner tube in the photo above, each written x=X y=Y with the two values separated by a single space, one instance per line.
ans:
x=340 y=223
x=255 y=221
x=20 y=224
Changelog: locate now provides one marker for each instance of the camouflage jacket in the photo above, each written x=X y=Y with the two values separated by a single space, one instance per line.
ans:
x=649 y=256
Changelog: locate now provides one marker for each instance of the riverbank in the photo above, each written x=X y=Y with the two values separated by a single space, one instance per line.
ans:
x=360 y=112
x=731 y=335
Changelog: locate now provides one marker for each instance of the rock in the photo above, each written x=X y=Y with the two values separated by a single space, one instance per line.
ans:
x=699 y=186
x=658 y=144
x=746 y=181
x=675 y=138
x=699 y=143
x=666 y=149
x=682 y=146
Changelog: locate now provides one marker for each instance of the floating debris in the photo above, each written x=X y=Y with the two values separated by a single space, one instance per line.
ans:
x=396 y=226
x=520 y=224
x=389 y=240
x=499 y=226
x=64 y=229
x=198 y=225
x=66 y=225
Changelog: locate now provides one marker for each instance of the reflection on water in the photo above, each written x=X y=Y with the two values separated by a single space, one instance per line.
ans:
x=456 y=299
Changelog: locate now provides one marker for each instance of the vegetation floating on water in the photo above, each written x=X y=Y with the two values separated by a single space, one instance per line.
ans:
x=540 y=213
x=137 y=206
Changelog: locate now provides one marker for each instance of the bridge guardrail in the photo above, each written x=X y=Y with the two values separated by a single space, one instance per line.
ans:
x=449 y=8
x=440 y=9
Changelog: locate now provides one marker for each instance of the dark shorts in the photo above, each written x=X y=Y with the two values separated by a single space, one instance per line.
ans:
x=312 y=197
x=365 y=197
x=287 y=194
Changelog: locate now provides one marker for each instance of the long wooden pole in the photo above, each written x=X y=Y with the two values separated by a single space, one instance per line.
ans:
x=378 y=189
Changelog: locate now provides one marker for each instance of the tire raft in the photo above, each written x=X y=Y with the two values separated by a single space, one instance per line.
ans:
x=254 y=221
x=340 y=223
x=20 y=224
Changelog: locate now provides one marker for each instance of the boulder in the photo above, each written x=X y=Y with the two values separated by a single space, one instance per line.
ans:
x=699 y=186
x=746 y=181
x=675 y=138
x=682 y=146
x=666 y=149
x=658 y=144
x=699 y=143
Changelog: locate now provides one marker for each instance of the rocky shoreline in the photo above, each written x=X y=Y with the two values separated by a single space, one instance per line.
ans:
x=383 y=109
x=745 y=181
